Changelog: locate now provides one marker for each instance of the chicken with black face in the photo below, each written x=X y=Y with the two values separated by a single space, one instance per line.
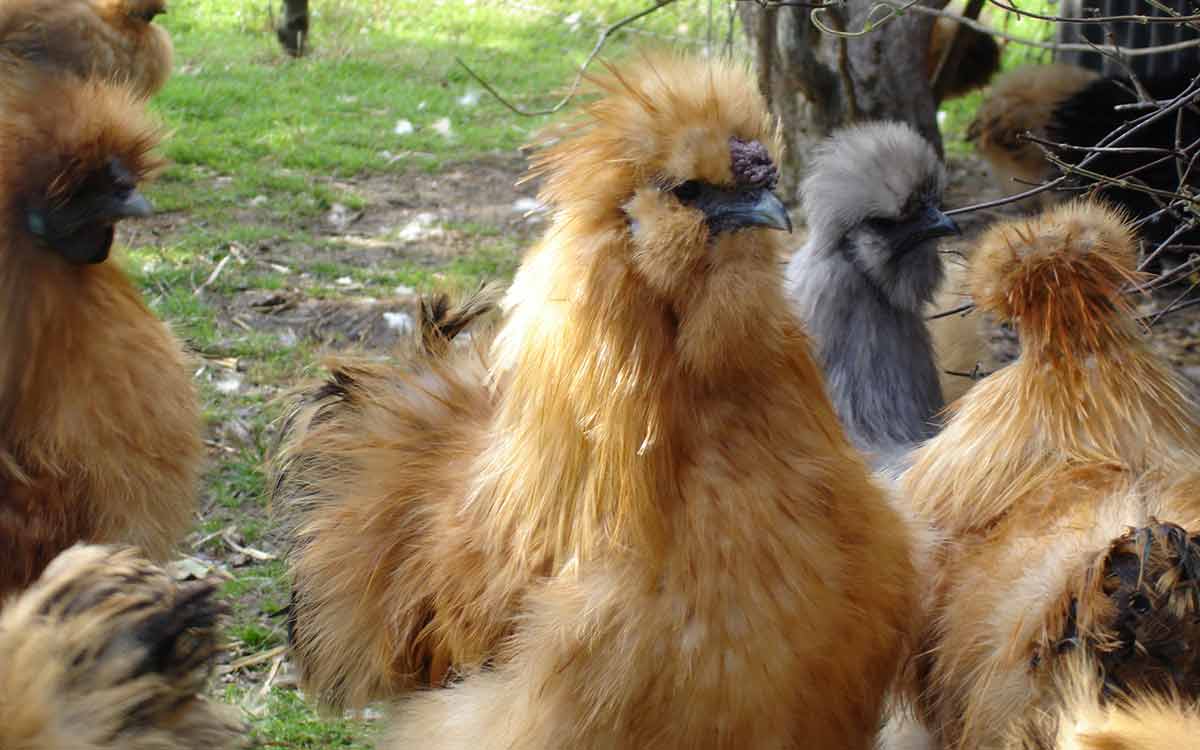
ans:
x=81 y=227
x=101 y=425
x=865 y=276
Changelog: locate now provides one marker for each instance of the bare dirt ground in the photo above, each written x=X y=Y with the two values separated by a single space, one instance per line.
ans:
x=415 y=218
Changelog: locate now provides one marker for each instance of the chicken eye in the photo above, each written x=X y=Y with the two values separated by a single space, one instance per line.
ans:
x=687 y=192
x=880 y=224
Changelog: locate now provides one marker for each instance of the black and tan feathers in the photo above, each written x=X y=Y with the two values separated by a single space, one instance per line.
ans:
x=1022 y=101
x=101 y=424
x=1035 y=481
x=106 y=652
x=114 y=40
x=634 y=520
x=1118 y=662
x=439 y=323
x=980 y=60
x=1094 y=112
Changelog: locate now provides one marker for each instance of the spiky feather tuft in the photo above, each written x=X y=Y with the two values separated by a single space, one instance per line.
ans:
x=1059 y=276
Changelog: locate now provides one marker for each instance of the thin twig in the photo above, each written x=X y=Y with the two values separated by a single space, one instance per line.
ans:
x=1096 y=19
x=964 y=309
x=1052 y=46
x=574 y=89
x=213 y=276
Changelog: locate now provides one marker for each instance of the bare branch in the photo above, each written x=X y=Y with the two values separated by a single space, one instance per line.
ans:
x=1175 y=19
x=1052 y=46
x=574 y=89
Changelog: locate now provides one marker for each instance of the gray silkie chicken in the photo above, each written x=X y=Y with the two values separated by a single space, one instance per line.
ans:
x=864 y=277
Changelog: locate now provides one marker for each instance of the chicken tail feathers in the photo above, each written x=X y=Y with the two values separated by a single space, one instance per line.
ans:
x=440 y=322
x=1060 y=277
x=367 y=462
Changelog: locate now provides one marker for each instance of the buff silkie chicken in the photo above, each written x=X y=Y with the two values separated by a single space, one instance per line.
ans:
x=1067 y=488
x=106 y=652
x=111 y=39
x=630 y=518
x=101 y=424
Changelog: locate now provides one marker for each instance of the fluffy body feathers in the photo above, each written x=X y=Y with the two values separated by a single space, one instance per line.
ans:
x=1020 y=101
x=106 y=652
x=863 y=281
x=1036 y=481
x=111 y=39
x=637 y=506
x=100 y=436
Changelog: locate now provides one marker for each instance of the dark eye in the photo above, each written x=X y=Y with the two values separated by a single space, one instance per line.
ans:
x=687 y=191
x=880 y=224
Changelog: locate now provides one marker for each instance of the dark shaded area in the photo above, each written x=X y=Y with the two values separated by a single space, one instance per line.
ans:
x=292 y=31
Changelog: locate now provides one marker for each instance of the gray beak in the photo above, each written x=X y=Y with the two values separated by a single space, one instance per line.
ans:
x=746 y=208
x=133 y=205
x=933 y=223
x=930 y=224
x=941 y=225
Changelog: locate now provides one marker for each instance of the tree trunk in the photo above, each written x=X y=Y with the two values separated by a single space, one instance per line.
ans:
x=293 y=28
x=817 y=82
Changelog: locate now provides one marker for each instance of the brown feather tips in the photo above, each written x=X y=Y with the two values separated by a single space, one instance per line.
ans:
x=1059 y=276
x=439 y=322
x=751 y=164
x=1140 y=615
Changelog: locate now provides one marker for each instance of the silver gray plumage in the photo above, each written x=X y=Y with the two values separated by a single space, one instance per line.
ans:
x=862 y=281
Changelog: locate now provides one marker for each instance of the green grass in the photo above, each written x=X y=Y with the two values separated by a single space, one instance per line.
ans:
x=262 y=148
x=959 y=112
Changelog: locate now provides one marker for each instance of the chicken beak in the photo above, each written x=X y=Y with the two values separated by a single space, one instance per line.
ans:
x=933 y=223
x=747 y=208
x=133 y=205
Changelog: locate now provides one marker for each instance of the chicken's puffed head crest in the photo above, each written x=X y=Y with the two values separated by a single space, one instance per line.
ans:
x=1060 y=275
x=877 y=170
x=72 y=153
x=874 y=194
x=679 y=152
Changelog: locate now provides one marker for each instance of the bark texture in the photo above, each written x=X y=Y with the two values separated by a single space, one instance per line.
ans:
x=816 y=82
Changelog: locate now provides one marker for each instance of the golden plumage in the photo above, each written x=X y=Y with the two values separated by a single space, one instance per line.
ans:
x=101 y=423
x=635 y=502
x=106 y=652
x=1035 y=482
x=115 y=40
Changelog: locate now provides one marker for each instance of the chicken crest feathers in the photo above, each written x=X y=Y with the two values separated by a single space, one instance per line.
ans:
x=867 y=170
x=1059 y=276
x=1086 y=387
x=647 y=121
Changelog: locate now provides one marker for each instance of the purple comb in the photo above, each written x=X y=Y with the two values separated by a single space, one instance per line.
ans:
x=751 y=164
